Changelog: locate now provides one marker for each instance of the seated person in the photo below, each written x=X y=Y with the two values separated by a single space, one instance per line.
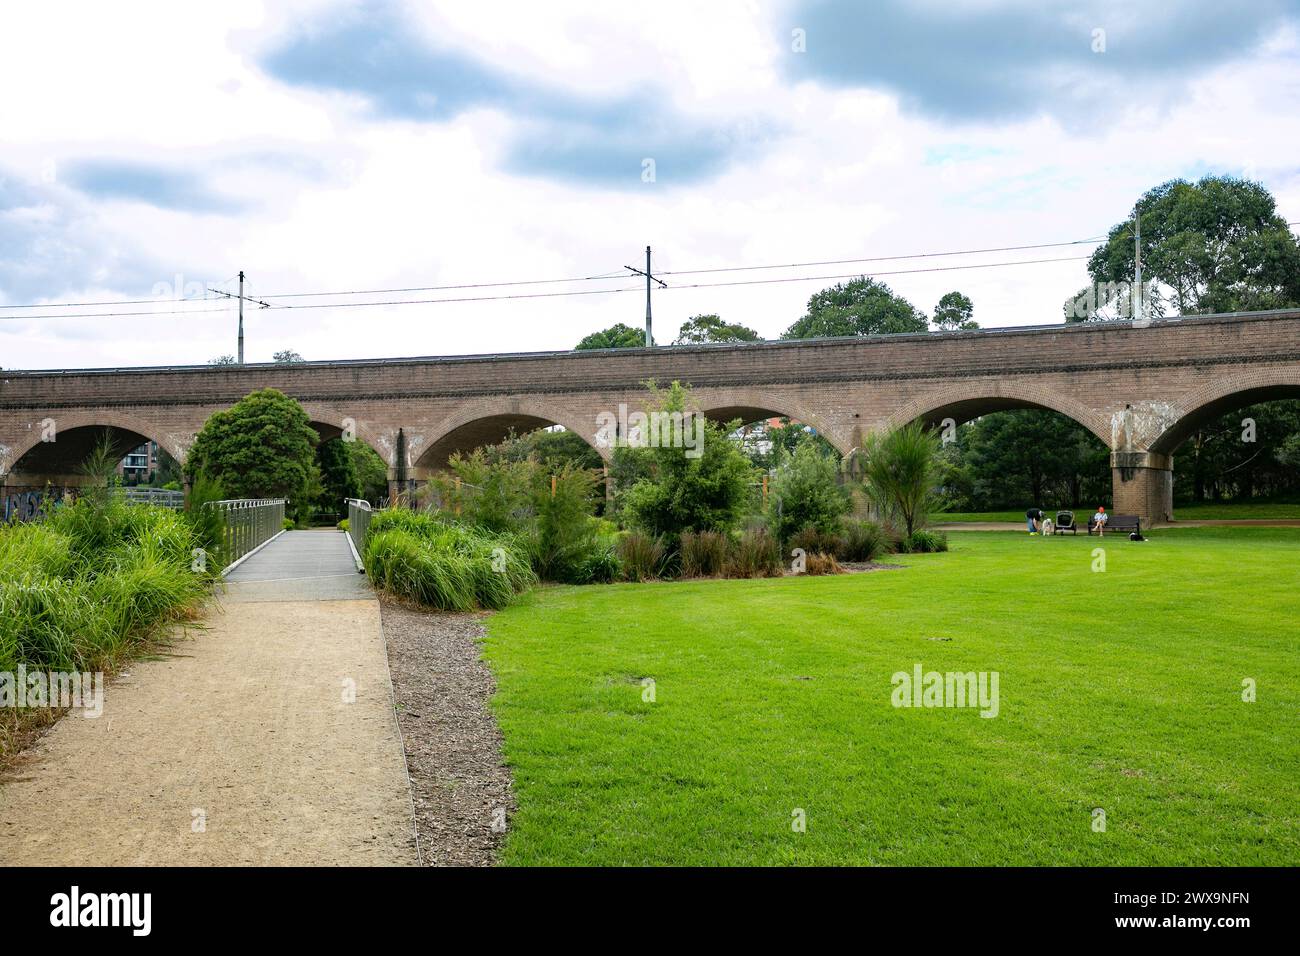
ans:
x=1099 y=519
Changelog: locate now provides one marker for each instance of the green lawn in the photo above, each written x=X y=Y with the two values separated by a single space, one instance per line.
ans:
x=1119 y=690
x=1245 y=509
x=1225 y=510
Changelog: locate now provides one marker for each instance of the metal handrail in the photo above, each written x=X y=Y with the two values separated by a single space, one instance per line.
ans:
x=359 y=512
x=247 y=524
x=162 y=497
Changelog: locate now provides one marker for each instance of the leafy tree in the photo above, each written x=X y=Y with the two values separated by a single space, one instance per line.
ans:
x=710 y=328
x=767 y=446
x=901 y=472
x=861 y=306
x=956 y=489
x=493 y=494
x=168 y=472
x=618 y=336
x=370 y=470
x=223 y=360
x=338 y=474
x=263 y=446
x=1288 y=452
x=953 y=313
x=566 y=532
x=806 y=493
x=1021 y=457
x=287 y=357
x=551 y=449
x=676 y=493
x=1218 y=245
x=1216 y=462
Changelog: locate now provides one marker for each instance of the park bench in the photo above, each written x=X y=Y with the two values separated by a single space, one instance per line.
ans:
x=1119 y=523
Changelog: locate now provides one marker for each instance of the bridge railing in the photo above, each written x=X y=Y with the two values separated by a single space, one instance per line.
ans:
x=161 y=497
x=359 y=512
x=247 y=524
x=28 y=504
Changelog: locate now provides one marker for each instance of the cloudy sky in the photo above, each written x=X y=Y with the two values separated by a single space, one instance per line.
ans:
x=149 y=151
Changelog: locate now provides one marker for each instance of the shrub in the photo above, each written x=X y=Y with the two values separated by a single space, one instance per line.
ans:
x=552 y=512
x=862 y=541
x=566 y=535
x=703 y=554
x=806 y=493
x=599 y=567
x=642 y=556
x=818 y=562
x=444 y=565
x=676 y=493
x=344 y=525
x=927 y=542
x=811 y=539
x=206 y=522
x=901 y=472
x=91 y=580
x=497 y=495
x=756 y=554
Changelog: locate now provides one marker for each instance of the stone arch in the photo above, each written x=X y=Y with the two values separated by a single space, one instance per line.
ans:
x=965 y=401
x=751 y=405
x=1222 y=395
x=132 y=429
x=488 y=421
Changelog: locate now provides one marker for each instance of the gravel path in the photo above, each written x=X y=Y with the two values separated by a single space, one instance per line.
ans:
x=461 y=786
x=266 y=739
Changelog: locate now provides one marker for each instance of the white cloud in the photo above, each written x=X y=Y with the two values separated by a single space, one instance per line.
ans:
x=335 y=198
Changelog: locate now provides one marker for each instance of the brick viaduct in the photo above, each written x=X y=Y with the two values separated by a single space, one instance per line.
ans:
x=1141 y=390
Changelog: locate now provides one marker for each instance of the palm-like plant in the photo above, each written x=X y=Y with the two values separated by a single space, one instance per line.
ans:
x=901 y=471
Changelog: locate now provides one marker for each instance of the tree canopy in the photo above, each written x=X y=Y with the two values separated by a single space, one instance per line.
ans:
x=953 y=313
x=263 y=446
x=618 y=336
x=860 y=306
x=1218 y=245
x=710 y=328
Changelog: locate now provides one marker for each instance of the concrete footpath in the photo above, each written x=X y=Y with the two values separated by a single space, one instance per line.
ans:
x=266 y=738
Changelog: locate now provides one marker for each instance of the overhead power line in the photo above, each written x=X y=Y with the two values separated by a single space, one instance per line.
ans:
x=571 y=292
x=918 y=255
x=894 y=272
x=108 y=315
x=526 y=282
x=446 y=288
x=586 y=278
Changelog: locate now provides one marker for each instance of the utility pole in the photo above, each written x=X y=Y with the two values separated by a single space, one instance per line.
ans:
x=241 y=297
x=649 y=339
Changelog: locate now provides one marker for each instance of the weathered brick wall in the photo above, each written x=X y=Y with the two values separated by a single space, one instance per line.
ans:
x=1166 y=373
